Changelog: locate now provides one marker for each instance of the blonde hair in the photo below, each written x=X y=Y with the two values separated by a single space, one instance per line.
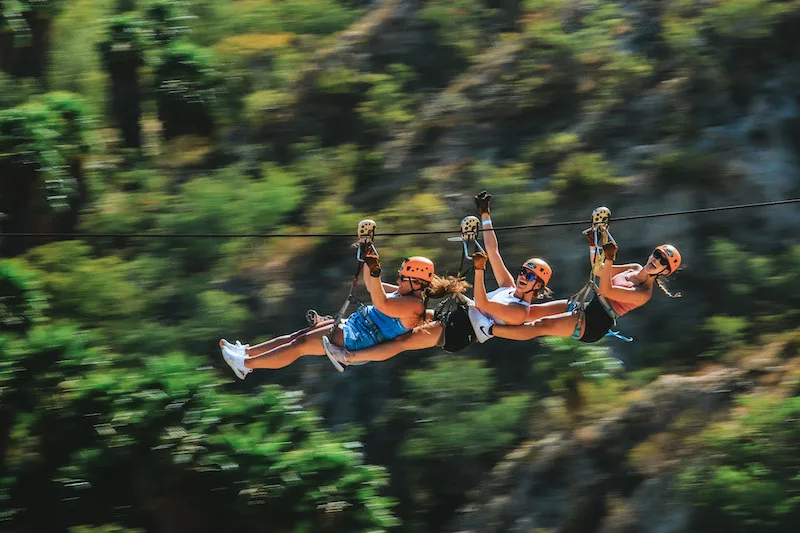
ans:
x=542 y=292
x=439 y=287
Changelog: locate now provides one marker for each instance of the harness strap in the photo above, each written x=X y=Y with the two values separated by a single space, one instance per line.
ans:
x=618 y=335
x=579 y=302
x=368 y=320
x=607 y=307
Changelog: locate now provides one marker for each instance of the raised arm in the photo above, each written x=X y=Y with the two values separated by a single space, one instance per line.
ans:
x=510 y=314
x=501 y=273
x=393 y=307
x=634 y=295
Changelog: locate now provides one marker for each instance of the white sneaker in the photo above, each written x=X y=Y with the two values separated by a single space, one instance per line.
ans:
x=236 y=362
x=480 y=324
x=336 y=354
x=238 y=348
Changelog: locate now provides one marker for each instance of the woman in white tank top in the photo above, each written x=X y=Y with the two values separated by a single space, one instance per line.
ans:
x=512 y=303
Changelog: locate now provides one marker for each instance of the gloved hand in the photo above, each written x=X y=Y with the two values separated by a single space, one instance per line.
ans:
x=610 y=250
x=479 y=260
x=482 y=202
x=590 y=238
x=373 y=262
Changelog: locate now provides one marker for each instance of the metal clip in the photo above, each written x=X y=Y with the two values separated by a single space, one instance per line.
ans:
x=366 y=231
x=366 y=236
x=469 y=233
x=601 y=217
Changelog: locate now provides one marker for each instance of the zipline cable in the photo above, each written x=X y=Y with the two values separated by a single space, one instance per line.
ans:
x=617 y=219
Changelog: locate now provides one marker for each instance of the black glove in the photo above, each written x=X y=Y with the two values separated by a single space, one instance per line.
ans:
x=482 y=202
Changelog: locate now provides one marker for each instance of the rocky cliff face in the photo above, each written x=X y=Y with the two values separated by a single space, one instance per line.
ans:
x=583 y=482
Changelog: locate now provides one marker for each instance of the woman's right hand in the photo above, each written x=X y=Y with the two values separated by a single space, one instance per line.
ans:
x=590 y=238
x=482 y=202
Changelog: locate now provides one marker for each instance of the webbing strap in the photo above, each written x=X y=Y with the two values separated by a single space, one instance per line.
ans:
x=368 y=320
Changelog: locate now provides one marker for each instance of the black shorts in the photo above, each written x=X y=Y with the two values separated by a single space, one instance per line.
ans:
x=596 y=322
x=457 y=332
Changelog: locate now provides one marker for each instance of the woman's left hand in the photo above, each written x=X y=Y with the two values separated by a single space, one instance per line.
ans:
x=610 y=250
x=479 y=260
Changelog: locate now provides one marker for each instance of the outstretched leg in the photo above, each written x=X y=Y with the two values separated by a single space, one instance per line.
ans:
x=264 y=347
x=308 y=343
x=562 y=325
x=420 y=338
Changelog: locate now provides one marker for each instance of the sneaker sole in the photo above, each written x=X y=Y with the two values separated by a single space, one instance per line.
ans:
x=231 y=364
x=326 y=346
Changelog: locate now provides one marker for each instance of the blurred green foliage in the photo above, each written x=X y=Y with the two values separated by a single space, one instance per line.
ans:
x=756 y=288
x=747 y=478
x=101 y=437
x=456 y=425
x=292 y=116
x=187 y=91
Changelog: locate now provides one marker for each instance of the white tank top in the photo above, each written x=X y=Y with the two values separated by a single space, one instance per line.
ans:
x=503 y=295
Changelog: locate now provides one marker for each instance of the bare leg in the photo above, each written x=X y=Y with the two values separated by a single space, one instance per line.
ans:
x=562 y=325
x=423 y=337
x=308 y=343
x=264 y=347
x=538 y=311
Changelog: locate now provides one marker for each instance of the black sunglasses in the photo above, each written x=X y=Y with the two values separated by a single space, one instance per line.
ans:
x=528 y=274
x=661 y=258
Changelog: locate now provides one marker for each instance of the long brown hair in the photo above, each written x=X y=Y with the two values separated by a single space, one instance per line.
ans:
x=663 y=286
x=440 y=287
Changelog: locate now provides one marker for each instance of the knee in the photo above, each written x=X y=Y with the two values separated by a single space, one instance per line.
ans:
x=423 y=339
x=298 y=341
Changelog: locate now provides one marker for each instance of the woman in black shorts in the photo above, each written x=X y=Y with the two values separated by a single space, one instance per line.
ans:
x=621 y=289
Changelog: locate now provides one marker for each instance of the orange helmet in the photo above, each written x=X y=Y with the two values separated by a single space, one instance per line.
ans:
x=672 y=254
x=540 y=267
x=417 y=267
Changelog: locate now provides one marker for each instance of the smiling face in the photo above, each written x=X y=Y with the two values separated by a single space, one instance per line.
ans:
x=527 y=280
x=657 y=264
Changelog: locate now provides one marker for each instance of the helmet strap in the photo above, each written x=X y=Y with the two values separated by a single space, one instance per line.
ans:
x=669 y=271
x=534 y=287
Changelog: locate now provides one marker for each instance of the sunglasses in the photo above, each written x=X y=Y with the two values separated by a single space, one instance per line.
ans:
x=661 y=258
x=529 y=275
x=412 y=280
